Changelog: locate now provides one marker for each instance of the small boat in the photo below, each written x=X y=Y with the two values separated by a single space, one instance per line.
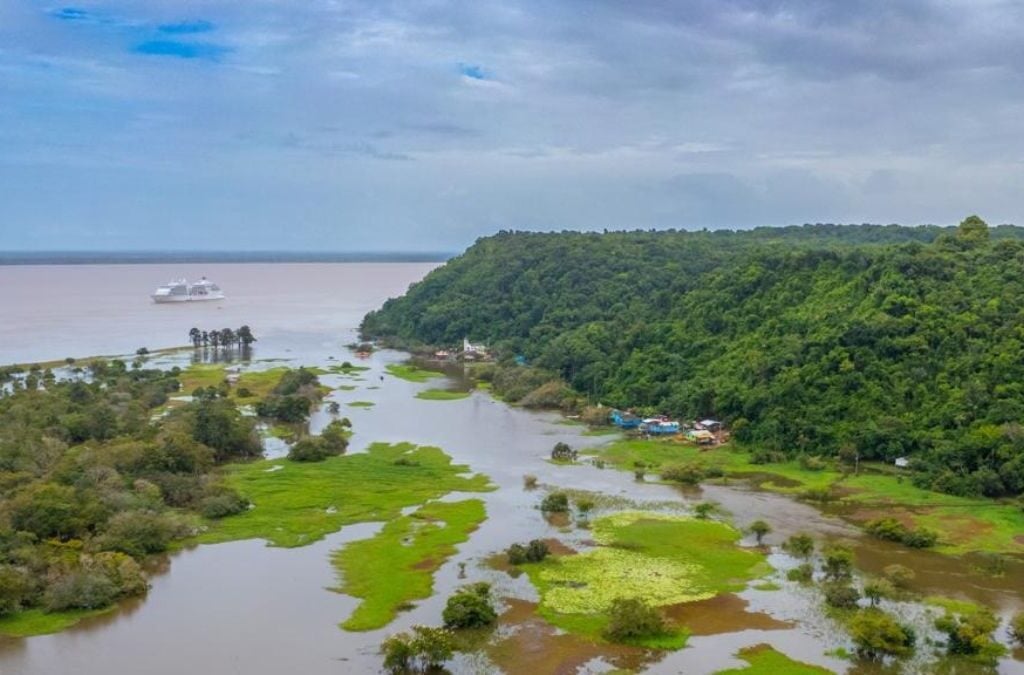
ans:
x=180 y=290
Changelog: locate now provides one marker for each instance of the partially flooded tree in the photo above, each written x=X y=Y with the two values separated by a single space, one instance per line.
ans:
x=760 y=529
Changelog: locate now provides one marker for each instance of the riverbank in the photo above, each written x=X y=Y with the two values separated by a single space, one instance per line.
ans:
x=964 y=525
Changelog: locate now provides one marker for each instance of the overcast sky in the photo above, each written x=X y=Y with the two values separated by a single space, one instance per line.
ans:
x=341 y=125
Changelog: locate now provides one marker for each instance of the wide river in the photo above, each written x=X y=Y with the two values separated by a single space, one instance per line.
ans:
x=247 y=608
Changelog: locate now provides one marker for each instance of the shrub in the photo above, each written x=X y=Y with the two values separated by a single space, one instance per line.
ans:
x=399 y=656
x=841 y=595
x=334 y=437
x=822 y=495
x=15 y=589
x=288 y=408
x=533 y=552
x=838 y=563
x=470 y=607
x=898 y=575
x=632 y=619
x=703 y=510
x=563 y=453
x=689 y=474
x=244 y=392
x=555 y=502
x=804 y=573
x=516 y=554
x=529 y=481
x=813 y=463
x=878 y=635
x=308 y=450
x=893 y=530
x=921 y=538
x=876 y=589
x=138 y=533
x=333 y=407
x=799 y=545
x=405 y=461
x=80 y=589
x=1017 y=628
x=423 y=649
x=971 y=634
x=223 y=503
x=640 y=475
x=759 y=529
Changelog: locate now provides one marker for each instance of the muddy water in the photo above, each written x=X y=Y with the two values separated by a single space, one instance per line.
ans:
x=243 y=607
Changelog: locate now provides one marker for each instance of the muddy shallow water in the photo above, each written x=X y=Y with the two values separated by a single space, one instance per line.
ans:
x=243 y=607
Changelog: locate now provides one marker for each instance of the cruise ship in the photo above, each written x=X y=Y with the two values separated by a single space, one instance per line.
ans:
x=181 y=290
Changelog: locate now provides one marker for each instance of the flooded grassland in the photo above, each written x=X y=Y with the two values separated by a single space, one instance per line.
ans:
x=335 y=556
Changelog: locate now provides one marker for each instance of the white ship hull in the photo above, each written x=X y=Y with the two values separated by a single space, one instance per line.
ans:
x=182 y=291
x=161 y=299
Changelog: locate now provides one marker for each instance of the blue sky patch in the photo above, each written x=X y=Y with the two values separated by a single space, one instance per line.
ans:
x=187 y=27
x=181 y=50
x=473 y=71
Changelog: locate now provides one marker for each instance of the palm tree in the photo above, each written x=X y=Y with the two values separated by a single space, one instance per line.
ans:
x=227 y=337
x=206 y=338
x=245 y=335
x=215 y=338
x=196 y=336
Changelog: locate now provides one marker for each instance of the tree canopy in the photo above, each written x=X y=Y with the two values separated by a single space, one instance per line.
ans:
x=883 y=341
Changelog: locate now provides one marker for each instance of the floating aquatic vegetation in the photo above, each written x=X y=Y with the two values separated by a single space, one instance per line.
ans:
x=589 y=583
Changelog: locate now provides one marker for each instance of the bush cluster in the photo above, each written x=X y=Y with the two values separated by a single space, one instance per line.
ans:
x=631 y=619
x=470 y=607
x=535 y=551
x=893 y=530
x=421 y=649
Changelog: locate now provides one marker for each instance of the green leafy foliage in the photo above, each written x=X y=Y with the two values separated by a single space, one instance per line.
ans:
x=97 y=472
x=631 y=619
x=970 y=634
x=470 y=607
x=555 y=502
x=893 y=530
x=535 y=551
x=878 y=635
x=870 y=342
x=423 y=649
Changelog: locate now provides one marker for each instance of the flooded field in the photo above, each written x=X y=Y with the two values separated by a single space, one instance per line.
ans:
x=245 y=607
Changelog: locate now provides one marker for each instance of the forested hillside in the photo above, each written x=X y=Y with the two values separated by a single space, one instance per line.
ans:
x=882 y=341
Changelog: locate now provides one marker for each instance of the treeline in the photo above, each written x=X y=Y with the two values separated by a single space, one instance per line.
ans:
x=869 y=341
x=224 y=337
x=91 y=481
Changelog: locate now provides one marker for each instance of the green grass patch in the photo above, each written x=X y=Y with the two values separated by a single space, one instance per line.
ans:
x=951 y=605
x=346 y=387
x=602 y=431
x=37 y=622
x=361 y=404
x=398 y=565
x=663 y=559
x=964 y=524
x=767 y=586
x=341 y=369
x=411 y=373
x=304 y=501
x=442 y=395
x=764 y=660
x=283 y=431
x=259 y=383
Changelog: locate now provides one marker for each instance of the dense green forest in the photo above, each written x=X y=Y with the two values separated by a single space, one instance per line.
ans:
x=877 y=341
x=100 y=469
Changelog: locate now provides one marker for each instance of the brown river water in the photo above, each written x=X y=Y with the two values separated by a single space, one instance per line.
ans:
x=246 y=608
